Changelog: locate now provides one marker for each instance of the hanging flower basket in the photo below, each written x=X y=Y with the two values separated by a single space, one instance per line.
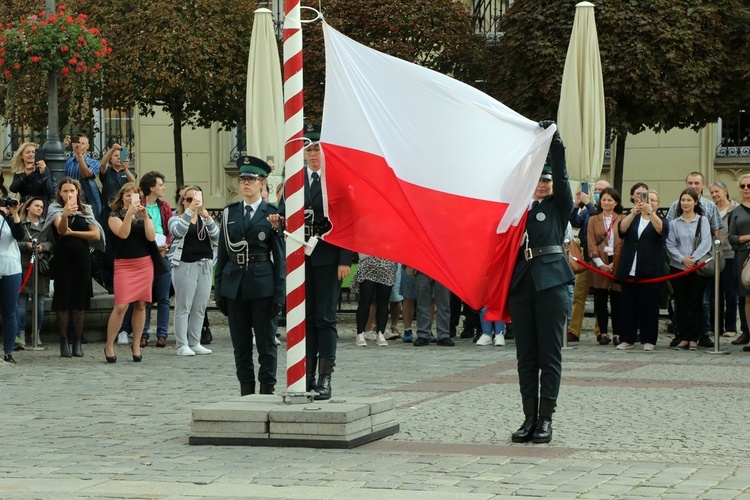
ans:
x=39 y=45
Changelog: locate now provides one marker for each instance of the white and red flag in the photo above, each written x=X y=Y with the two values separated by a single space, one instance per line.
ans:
x=425 y=170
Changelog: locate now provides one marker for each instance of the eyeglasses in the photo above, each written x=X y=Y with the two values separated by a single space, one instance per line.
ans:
x=189 y=200
x=249 y=180
x=744 y=186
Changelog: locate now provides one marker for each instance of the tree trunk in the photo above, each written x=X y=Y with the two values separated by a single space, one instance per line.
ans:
x=619 y=162
x=177 y=136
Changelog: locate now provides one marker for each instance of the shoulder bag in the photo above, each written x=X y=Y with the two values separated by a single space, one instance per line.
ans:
x=574 y=250
x=709 y=270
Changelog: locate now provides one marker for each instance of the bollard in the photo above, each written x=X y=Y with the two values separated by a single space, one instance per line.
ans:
x=34 y=300
x=717 y=326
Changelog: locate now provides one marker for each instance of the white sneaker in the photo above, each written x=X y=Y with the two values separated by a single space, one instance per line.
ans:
x=361 y=342
x=369 y=335
x=381 y=340
x=276 y=339
x=122 y=338
x=499 y=339
x=185 y=351
x=199 y=349
x=624 y=346
x=485 y=339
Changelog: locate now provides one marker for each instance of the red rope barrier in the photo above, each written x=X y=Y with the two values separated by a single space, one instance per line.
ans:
x=646 y=281
x=28 y=273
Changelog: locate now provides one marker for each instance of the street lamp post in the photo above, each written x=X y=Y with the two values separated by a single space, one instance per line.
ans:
x=53 y=149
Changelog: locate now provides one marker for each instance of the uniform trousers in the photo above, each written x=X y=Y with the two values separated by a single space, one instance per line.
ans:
x=640 y=305
x=539 y=319
x=244 y=316
x=322 y=290
x=426 y=287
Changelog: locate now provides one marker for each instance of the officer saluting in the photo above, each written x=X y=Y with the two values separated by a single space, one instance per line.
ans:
x=538 y=296
x=324 y=270
x=249 y=280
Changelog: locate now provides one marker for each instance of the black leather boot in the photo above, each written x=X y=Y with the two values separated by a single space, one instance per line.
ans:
x=526 y=431
x=325 y=369
x=543 y=431
x=64 y=348
x=266 y=388
x=77 y=350
x=311 y=364
x=247 y=388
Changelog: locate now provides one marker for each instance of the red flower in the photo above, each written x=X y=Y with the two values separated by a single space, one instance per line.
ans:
x=23 y=21
x=72 y=62
x=16 y=66
x=52 y=18
x=97 y=53
x=7 y=73
x=42 y=14
x=81 y=39
x=77 y=55
x=3 y=62
x=69 y=19
x=33 y=28
x=65 y=71
x=97 y=66
x=64 y=48
x=35 y=59
x=94 y=31
x=104 y=41
x=60 y=7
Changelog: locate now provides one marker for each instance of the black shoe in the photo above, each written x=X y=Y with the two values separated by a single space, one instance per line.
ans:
x=742 y=339
x=452 y=332
x=477 y=337
x=136 y=358
x=705 y=341
x=509 y=332
x=64 y=348
x=110 y=359
x=446 y=342
x=206 y=336
x=525 y=432
x=8 y=358
x=543 y=431
x=77 y=351
x=266 y=388
x=675 y=341
x=467 y=333
x=247 y=388
x=421 y=341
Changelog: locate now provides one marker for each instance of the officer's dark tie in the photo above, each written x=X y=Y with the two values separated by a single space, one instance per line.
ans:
x=248 y=215
x=315 y=185
x=535 y=204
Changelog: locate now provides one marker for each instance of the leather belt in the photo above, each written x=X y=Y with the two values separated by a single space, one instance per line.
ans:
x=243 y=259
x=530 y=253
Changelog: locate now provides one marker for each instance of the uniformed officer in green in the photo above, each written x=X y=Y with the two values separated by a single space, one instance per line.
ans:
x=538 y=299
x=249 y=280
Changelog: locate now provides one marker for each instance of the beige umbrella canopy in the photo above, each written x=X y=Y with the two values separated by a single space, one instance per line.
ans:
x=265 y=98
x=580 y=116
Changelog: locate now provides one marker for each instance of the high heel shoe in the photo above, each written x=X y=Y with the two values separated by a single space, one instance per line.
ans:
x=112 y=359
x=136 y=358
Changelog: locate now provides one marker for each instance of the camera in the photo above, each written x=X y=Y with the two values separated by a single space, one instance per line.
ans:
x=7 y=201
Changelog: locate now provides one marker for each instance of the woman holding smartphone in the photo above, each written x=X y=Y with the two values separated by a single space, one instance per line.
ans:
x=134 y=272
x=195 y=237
x=30 y=174
x=74 y=229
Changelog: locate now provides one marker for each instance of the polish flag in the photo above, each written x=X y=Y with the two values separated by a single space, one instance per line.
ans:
x=427 y=171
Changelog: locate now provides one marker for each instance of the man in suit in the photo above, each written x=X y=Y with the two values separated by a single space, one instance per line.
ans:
x=538 y=298
x=249 y=280
x=324 y=270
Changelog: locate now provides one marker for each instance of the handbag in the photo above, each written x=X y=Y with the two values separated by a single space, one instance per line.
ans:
x=159 y=266
x=709 y=270
x=745 y=274
x=574 y=250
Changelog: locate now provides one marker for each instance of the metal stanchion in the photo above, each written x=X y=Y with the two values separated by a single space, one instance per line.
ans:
x=35 y=300
x=565 y=346
x=717 y=326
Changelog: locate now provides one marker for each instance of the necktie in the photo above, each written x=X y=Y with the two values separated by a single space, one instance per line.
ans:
x=535 y=204
x=315 y=186
x=248 y=215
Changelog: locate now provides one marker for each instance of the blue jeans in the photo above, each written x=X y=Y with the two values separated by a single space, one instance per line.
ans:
x=9 y=287
x=488 y=325
x=160 y=295
x=25 y=301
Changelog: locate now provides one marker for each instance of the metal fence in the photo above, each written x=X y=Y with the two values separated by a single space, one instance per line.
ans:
x=735 y=136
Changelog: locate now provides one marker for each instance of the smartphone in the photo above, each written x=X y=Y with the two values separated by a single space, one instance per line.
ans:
x=585 y=187
x=38 y=155
x=74 y=140
x=197 y=195
x=71 y=199
x=124 y=155
x=135 y=198
x=644 y=196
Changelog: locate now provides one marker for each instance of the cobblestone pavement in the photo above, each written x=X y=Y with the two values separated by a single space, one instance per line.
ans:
x=629 y=424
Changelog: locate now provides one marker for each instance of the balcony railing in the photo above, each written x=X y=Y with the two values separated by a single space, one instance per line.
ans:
x=735 y=136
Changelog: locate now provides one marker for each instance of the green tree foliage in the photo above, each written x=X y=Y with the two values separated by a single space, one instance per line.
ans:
x=665 y=63
x=436 y=34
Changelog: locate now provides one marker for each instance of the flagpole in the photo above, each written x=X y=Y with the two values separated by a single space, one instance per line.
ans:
x=294 y=197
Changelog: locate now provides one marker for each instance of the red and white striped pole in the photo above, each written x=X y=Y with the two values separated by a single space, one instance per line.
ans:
x=294 y=193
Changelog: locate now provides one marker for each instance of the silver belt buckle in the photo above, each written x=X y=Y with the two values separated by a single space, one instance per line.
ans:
x=528 y=254
x=241 y=259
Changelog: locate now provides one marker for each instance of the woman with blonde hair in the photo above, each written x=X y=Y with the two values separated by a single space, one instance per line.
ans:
x=74 y=230
x=134 y=235
x=195 y=237
x=30 y=177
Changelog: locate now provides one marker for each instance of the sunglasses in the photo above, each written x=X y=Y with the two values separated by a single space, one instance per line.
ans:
x=744 y=186
x=189 y=199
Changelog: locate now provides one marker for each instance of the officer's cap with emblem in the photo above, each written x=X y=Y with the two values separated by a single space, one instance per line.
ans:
x=312 y=132
x=250 y=166
x=547 y=170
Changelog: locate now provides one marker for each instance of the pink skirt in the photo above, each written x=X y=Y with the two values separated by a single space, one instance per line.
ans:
x=133 y=279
